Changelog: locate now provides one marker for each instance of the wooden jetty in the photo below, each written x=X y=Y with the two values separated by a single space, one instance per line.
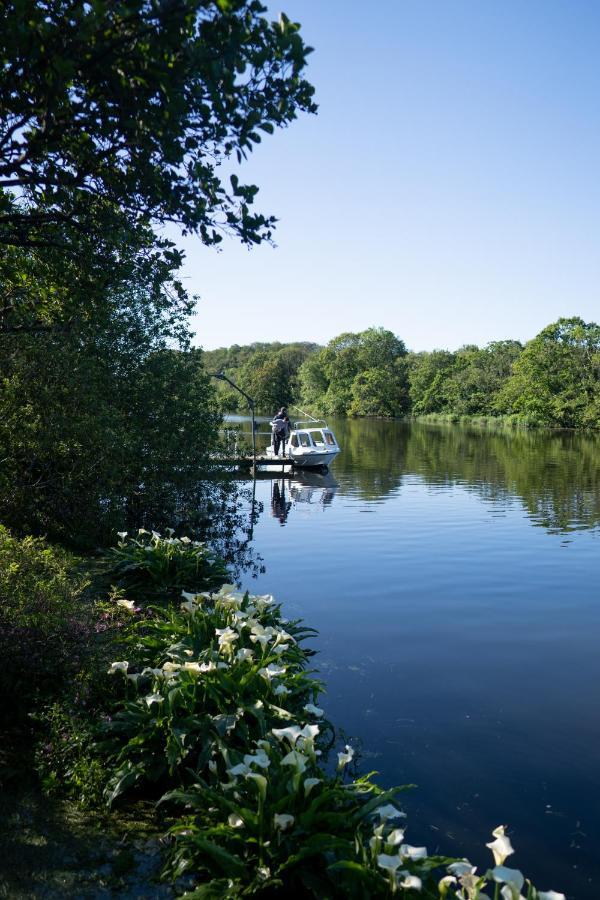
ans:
x=262 y=460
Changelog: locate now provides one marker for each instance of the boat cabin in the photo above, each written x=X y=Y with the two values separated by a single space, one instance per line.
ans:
x=320 y=438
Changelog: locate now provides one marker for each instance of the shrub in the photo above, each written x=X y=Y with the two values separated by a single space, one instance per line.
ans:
x=153 y=568
x=45 y=623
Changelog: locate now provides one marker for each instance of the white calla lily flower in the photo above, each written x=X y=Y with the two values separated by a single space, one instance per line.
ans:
x=126 y=604
x=235 y=821
x=291 y=733
x=551 y=895
x=445 y=884
x=194 y=667
x=263 y=603
x=315 y=711
x=512 y=877
x=346 y=757
x=309 y=784
x=122 y=534
x=283 y=821
x=240 y=769
x=395 y=837
x=118 y=667
x=261 y=782
x=463 y=867
x=501 y=847
x=272 y=671
x=227 y=637
x=389 y=812
x=414 y=853
x=281 y=690
x=295 y=759
x=188 y=606
x=409 y=882
x=259 y=758
x=391 y=863
x=153 y=698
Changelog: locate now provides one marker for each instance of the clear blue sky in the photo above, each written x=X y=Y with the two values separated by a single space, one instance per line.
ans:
x=448 y=189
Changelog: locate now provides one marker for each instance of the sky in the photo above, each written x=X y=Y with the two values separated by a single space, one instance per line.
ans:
x=448 y=188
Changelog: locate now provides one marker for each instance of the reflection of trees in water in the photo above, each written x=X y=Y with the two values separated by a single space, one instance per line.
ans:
x=554 y=474
x=371 y=461
x=217 y=511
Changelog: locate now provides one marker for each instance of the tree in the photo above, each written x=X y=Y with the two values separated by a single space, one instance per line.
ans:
x=556 y=379
x=479 y=374
x=116 y=118
x=430 y=376
x=136 y=104
x=380 y=392
x=265 y=379
x=348 y=357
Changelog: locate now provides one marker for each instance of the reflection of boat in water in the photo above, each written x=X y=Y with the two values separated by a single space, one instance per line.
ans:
x=311 y=445
x=308 y=486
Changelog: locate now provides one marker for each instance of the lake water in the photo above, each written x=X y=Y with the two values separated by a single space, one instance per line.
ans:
x=453 y=575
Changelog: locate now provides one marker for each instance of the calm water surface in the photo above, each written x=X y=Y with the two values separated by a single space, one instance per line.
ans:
x=454 y=578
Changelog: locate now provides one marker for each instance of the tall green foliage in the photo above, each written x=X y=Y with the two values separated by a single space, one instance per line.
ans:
x=267 y=372
x=127 y=109
x=357 y=374
x=556 y=380
x=115 y=118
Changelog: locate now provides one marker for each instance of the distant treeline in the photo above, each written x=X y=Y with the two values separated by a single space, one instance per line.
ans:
x=553 y=380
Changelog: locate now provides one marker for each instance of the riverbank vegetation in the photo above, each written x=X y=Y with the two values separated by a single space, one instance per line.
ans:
x=552 y=381
x=198 y=697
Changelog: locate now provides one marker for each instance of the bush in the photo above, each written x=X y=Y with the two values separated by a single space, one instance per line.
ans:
x=153 y=568
x=45 y=624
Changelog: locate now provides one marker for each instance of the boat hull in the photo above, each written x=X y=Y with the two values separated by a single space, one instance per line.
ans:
x=313 y=460
x=307 y=460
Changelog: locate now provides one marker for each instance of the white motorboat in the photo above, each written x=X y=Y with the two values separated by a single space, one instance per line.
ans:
x=311 y=445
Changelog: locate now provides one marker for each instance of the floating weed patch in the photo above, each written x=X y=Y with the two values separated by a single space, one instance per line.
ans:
x=218 y=720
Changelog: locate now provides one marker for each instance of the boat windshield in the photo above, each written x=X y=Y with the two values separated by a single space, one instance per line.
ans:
x=304 y=439
x=317 y=437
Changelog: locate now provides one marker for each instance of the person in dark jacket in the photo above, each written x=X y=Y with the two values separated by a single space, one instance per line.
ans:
x=281 y=429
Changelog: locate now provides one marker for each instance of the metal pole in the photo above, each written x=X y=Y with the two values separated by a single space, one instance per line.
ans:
x=251 y=404
x=222 y=377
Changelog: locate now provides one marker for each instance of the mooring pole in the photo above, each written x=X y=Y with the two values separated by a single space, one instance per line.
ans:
x=222 y=377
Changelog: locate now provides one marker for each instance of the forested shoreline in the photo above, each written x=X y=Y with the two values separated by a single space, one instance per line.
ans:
x=552 y=381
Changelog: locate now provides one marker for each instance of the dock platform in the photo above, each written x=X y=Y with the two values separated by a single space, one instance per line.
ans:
x=246 y=462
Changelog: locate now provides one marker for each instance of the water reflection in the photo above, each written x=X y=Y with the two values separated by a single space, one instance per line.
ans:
x=459 y=643
x=315 y=489
x=280 y=505
x=554 y=474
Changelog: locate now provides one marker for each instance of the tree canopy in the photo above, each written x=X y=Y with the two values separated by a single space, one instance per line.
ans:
x=131 y=107
x=115 y=120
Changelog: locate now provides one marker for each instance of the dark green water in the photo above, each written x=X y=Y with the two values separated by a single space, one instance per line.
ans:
x=454 y=577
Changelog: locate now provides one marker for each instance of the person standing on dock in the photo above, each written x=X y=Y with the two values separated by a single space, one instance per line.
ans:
x=281 y=430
